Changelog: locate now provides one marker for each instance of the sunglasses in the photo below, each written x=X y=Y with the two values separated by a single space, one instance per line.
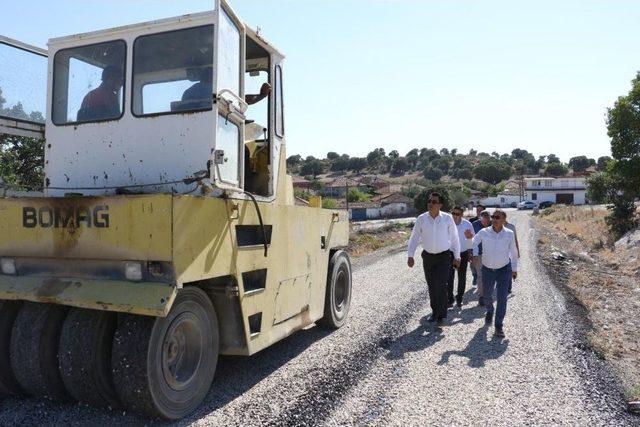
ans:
x=456 y=214
x=496 y=217
x=433 y=202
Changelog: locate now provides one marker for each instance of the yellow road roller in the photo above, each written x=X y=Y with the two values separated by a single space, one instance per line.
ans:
x=167 y=232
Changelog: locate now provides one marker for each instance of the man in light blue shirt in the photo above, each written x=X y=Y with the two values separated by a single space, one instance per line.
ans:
x=499 y=265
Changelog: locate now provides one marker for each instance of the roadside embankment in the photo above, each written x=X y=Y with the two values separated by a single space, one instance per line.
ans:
x=364 y=241
x=603 y=275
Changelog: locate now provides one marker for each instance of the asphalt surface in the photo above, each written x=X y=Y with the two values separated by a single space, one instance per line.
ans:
x=388 y=366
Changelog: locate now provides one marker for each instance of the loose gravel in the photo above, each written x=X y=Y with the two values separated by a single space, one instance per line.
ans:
x=388 y=366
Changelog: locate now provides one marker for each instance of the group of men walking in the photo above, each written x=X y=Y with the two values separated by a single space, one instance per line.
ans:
x=449 y=242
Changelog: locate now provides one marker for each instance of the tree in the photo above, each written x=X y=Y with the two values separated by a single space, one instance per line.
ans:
x=556 y=170
x=579 y=163
x=332 y=155
x=464 y=174
x=313 y=167
x=602 y=163
x=356 y=164
x=473 y=152
x=598 y=188
x=355 y=195
x=414 y=152
x=399 y=166
x=433 y=174
x=394 y=154
x=340 y=164
x=294 y=160
x=375 y=157
x=22 y=161
x=492 y=171
x=623 y=127
x=552 y=158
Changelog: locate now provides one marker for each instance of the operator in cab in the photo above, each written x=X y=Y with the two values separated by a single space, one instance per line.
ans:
x=199 y=95
x=103 y=102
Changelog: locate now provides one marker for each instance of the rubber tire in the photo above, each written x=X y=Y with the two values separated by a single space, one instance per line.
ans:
x=85 y=356
x=34 y=350
x=137 y=363
x=8 y=383
x=335 y=317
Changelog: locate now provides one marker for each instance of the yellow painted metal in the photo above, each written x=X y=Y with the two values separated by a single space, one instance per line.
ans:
x=198 y=236
x=315 y=202
x=149 y=299
x=117 y=228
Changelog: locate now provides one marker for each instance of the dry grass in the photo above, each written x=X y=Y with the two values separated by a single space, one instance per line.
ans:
x=606 y=283
x=366 y=241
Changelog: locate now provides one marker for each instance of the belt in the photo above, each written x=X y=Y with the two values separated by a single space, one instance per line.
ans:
x=496 y=269
x=438 y=254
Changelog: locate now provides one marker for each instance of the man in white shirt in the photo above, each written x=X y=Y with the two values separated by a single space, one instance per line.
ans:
x=436 y=232
x=499 y=265
x=462 y=225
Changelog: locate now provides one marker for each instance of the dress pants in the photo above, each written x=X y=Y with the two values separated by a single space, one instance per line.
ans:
x=436 y=271
x=497 y=279
x=477 y=266
x=462 y=277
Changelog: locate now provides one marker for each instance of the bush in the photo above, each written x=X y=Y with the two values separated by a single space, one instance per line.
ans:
x=420 y=201
x=329 y=204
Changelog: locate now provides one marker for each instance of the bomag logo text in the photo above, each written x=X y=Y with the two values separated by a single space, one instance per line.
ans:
x=65 y=217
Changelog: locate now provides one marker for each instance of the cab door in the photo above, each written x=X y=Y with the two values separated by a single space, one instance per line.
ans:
x=23 y=89
x=227 y=161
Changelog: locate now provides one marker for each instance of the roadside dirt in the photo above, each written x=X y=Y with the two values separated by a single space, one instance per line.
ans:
x=582 y=258
x=366 y=241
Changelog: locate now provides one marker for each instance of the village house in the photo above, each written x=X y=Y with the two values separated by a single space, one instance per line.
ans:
x=568 y=191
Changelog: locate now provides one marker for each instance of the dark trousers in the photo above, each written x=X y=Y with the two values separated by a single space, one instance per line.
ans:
x=498 y=280
x=436 y=271
x=462 y=277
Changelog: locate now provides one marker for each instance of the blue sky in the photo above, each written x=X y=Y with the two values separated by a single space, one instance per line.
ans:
x=400 y=74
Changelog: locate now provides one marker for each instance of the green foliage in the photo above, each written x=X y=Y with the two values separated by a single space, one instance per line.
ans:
x=598 y=188
x=552 y=158
x=556 y=170
x=579 y=163
x=623 y=126
x=420 y=201
x=492 y=171
x=399 y=166
x=331 y=155
x=356 y=164
x=433 y=174
x=22 y=161
x=329 y=203
x=340 y=164
x=301 y=194
x=355 y=195
x=313 y=167
x=602 y=163
x=375 y=157
x=317 y=185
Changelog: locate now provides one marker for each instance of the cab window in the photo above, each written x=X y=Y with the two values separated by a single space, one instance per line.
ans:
x=173 y=72
x=88 y=83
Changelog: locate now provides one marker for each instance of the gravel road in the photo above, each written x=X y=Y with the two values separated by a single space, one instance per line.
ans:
x=389 y=367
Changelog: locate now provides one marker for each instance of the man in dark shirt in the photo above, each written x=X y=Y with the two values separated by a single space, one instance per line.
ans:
x=479 y=208
x=103 y=102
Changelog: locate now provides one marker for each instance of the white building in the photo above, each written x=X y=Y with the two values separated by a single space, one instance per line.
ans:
x=568 y=191
x=502 y=201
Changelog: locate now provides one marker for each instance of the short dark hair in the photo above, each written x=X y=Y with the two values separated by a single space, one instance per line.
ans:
x=485 y=214
x=480 y=205
x=459 y=208
x=436 y=194
x=500 y=212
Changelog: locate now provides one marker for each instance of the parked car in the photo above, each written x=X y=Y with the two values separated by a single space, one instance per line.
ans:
x=545 y=204
x=526 y=205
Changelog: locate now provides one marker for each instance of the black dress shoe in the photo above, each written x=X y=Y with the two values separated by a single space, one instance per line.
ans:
x=440 y=322
x=450 y=304
x=499 y=333
x=481 y=301
x=488 y=317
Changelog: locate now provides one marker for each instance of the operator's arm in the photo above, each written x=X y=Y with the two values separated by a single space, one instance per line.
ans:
x=265 y=90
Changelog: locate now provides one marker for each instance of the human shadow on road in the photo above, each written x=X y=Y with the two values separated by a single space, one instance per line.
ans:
x=422 y=337
x=467 y=315
x=479 y=349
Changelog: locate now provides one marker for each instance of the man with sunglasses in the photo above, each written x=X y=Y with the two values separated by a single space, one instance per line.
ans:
x=462 y=226
x=479 y=208
x=436 y=232
x=499 y=265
